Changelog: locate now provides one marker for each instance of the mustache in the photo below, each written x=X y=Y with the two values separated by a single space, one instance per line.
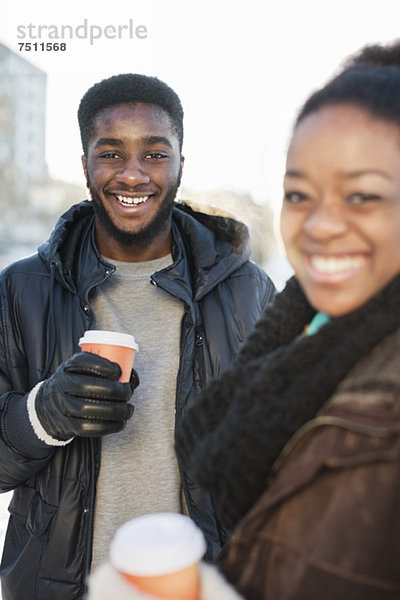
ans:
x=140 y=188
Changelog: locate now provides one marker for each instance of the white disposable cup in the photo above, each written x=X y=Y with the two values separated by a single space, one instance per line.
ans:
x=114 y=345
x=160 y=553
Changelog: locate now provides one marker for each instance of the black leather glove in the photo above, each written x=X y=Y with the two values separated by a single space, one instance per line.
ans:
x=84 y=398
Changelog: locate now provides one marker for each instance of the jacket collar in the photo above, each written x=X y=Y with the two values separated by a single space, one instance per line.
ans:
x=206 y=249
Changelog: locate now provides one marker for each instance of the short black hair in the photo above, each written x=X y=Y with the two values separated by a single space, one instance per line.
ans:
x=128 y=88
x=370 y=80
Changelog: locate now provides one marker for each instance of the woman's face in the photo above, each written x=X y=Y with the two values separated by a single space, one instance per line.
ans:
x=340 y=219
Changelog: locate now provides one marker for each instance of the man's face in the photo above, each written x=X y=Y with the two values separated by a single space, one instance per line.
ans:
x=133 y=169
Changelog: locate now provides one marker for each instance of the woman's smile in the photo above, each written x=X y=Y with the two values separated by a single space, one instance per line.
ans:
x=340 y=218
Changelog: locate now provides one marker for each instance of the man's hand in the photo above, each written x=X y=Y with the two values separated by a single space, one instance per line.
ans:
x=84 y=398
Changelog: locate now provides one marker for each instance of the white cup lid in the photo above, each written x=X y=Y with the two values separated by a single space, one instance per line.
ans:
x=156 y=544
x=114 y=338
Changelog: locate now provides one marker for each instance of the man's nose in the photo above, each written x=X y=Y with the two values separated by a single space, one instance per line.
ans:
x=133 y=172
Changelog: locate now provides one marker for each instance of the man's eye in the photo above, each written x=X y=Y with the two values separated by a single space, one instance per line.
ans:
x=295 y=197
x=156 y=155
x=363 y=198
x=109 y=155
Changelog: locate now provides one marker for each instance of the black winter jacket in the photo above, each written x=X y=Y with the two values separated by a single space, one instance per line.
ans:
x=45 y=308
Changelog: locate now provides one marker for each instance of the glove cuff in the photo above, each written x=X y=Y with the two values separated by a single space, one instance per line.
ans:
x=37 y=427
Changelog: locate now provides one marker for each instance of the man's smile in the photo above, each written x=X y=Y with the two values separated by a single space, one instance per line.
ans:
x=131 y=200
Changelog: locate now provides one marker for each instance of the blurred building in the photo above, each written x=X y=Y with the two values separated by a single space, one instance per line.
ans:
x=22 y=122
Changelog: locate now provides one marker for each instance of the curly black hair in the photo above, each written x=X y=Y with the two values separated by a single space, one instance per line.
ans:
x=377 y=54
x=124 y=88
x=370 y=80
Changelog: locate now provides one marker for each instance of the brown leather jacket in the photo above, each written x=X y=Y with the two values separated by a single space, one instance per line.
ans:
x=328 y=526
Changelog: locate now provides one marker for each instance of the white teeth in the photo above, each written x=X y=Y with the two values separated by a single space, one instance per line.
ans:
x=127 y=201
x=331 y=264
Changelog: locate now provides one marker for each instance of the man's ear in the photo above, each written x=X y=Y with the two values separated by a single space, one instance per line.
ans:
x=84 y=165
x=182 y=164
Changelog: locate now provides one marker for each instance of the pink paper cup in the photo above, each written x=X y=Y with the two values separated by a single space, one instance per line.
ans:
x=113 y=345
x=160 y=555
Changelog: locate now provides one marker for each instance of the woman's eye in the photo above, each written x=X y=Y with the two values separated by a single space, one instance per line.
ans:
x=362 y=198
x=295 y=197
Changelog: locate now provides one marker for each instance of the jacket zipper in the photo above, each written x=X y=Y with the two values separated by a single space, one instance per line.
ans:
x=107 y=275
x=182 y=342
x=89 y=510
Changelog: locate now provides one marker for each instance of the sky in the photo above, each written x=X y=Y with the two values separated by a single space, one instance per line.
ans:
x=241 y=68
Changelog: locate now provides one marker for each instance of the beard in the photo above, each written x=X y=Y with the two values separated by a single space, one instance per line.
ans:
x=143 y=237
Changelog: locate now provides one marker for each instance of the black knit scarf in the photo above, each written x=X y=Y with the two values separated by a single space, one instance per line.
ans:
x=230 y=439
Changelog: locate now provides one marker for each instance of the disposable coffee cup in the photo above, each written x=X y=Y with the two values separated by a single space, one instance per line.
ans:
x=117 y=347
x=160 y=554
